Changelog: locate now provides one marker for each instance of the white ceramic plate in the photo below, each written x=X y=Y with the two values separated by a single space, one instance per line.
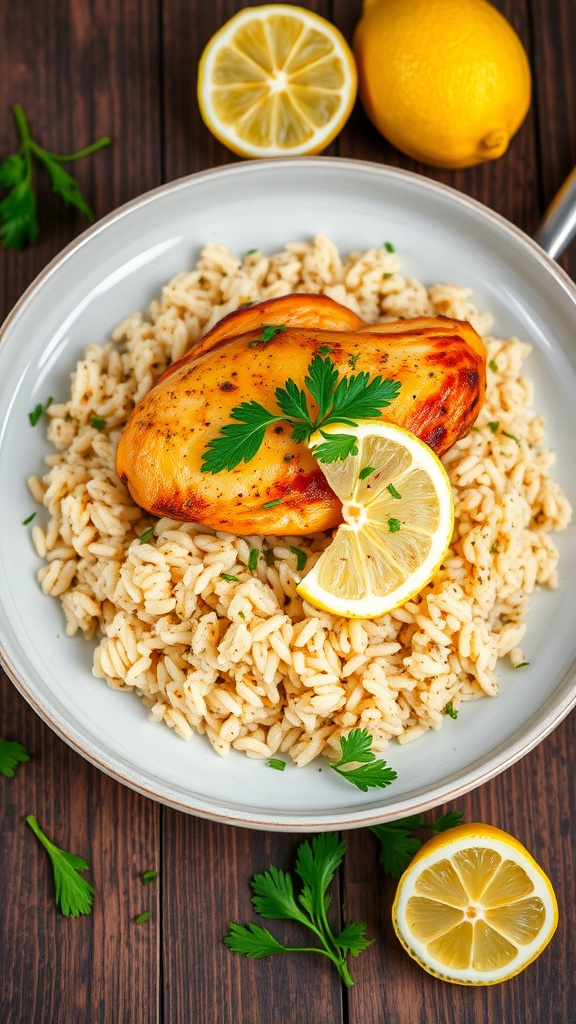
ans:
x=119 y=266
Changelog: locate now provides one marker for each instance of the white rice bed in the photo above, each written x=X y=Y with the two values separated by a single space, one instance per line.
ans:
x=248 y=663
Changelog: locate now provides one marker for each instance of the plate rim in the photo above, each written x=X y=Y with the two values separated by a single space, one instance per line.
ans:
x=296 y=823
x=234 y=168
x=165 y=793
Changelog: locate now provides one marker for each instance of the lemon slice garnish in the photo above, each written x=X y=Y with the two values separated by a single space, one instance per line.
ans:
x=474 y=907
x=398 y=518
x=276 y=80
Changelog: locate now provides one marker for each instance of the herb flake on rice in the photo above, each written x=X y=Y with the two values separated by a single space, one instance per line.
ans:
x=213 y=637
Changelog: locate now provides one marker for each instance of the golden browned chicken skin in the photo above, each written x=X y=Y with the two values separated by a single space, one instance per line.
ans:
x=439 y=362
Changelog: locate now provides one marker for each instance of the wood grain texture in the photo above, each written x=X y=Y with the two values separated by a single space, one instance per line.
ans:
x=554 y=45
x=507 y=185
x=533 y=800
x=207 y=873
x=80 y=72
x=85 y=70
x=207 y=867
x=97 y=968
x=525 y=799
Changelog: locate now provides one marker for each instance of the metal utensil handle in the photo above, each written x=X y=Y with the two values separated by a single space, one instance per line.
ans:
x=558 y=226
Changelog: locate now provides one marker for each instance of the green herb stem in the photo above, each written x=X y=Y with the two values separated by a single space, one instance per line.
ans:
x=67 y=158
x=328 y=933
x=22 y=124
x=18 y=219
x=275 y=898
x=28 y=144
x=339 y=400
x=73 y=893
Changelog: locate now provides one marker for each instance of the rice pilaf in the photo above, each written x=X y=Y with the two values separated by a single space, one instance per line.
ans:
x=244 y=660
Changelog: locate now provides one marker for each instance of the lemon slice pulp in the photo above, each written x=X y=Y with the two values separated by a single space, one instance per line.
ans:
x=276 y=80
x=398 y=518
x=474 y=907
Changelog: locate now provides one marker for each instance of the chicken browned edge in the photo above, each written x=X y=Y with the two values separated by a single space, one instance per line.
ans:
x=440 y=363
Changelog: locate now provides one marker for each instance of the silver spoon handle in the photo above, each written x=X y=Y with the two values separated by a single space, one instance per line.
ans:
x=558 y=226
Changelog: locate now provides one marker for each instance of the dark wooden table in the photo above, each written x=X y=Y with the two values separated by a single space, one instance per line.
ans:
x=82 y=70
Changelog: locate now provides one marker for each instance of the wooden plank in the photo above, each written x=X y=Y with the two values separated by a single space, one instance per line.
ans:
x=207 y=870
x=189 y=145
x=554 y=45
x=208 y=866
x=53 y=968
x=80 y=72
x=531 y=800
x=514 y=195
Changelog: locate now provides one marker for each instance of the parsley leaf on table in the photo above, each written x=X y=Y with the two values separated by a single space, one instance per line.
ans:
x=18 y=221
x=398 y=844
x=358 y=763
x=143 y=917
x=446 y=821
x=252 y=940
x=274 y=898
x=12 y=754
x=340 y=400
x=66 y=186
x=73 y=893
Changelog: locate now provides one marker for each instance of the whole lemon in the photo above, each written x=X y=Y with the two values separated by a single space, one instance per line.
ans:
x=445 y=81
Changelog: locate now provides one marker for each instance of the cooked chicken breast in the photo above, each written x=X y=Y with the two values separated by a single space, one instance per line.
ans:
x=439 y=362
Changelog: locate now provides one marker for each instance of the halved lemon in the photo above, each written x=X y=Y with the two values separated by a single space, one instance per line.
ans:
x=276 y=80
x=398 y=516
x=474 y=907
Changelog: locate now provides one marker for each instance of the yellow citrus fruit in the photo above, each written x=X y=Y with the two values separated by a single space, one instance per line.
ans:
x=474 y=907
x=445 y=81
x=276 y=80
x=398 y=519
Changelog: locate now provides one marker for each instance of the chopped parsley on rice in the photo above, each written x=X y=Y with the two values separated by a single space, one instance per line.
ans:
x=244 y=661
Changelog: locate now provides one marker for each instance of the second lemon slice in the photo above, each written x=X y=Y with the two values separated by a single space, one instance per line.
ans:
x=398 y=516
x=276 y=80
x=474 y=907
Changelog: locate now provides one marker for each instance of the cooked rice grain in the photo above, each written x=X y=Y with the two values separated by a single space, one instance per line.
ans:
x=247 y=663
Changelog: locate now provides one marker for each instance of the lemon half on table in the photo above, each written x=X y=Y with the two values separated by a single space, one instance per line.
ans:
x=398 y=516
x=474 y=907
x=276 y=80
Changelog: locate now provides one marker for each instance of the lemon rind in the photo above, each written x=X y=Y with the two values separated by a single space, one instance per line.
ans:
x=444 y=847
x=373 y=606
x=322 y=137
